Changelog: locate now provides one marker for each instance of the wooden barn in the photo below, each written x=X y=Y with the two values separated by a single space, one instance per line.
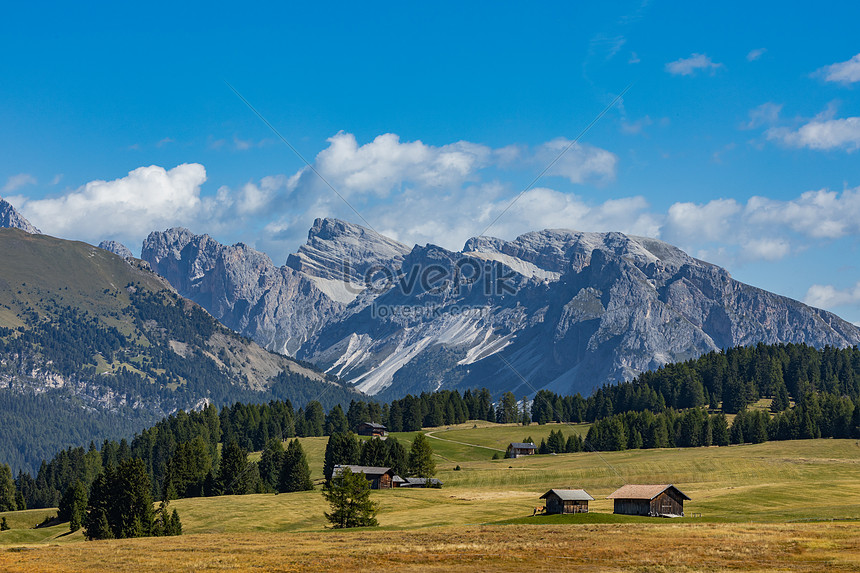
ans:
x=379 y=478
x=567 y=501
x=518 y=449
x=663 y=500
x=371 y=429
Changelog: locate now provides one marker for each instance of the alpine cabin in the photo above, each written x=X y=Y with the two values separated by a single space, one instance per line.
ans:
x=663 y=500
x=567 y=500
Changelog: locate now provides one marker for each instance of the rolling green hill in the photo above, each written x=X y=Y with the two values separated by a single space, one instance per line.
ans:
x=95 y=347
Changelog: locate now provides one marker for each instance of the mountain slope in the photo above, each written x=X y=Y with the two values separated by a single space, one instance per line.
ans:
x=559 y=309
x=95 y=333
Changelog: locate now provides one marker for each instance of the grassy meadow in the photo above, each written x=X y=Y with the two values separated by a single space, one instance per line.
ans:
x=793 y=505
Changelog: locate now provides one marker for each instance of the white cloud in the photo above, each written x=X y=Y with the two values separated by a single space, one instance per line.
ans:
x=385 y=163
x=148 y=198
x=828 y=296
x=765 y=114
x=636 y=127
x=821 y=134
x=818 y=214
x=766 y=249
x=579 y=164
x=709 y=222
x=843 y=72
x=57 y=178
x=754 y=55
x=689 y=66
x=15 y=182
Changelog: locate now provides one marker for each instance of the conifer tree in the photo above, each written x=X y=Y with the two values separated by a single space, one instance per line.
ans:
x=342 y=448
x=720 y=430
x=295 y=473
x=336 y=422
x=8 y=492
x=232 y=476
x=396 y=456
x=421 y=462
x=271 y=462
x=349 y=497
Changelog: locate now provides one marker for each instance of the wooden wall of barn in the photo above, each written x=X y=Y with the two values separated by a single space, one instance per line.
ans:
x=667 y=503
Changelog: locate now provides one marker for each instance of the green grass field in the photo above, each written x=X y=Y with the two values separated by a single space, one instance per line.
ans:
x=776 y=490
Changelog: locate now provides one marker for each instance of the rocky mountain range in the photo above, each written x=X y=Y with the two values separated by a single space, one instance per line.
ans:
x=556 y=309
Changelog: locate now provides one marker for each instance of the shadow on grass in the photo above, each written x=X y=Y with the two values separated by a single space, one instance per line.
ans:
x=582 y=518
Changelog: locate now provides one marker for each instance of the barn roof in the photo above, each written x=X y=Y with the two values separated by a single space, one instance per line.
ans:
x=373 y=425
x=422 y=481
x=569 y=494
x=522 y=446
x=366 y=470
x=648 y=492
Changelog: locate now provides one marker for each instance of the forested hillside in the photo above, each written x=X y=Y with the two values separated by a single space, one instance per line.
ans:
x=93 y=346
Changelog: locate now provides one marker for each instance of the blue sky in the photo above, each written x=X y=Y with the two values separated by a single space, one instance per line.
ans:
x=737 y=139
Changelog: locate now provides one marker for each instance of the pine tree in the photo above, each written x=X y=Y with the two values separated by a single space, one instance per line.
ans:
x=720 y=430
x=780 y=398
x=73 y=506
x=421 y=462
x=349 y=497
x=271 y=461
x=8 y=492
x=232 y=477
x=3 y=525
x=373 y=452
x=396 y=456
x=336 y=422
x=295 y=474
x=341 y=449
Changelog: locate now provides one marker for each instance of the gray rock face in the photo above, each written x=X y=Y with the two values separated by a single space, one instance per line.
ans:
x=341 y=258
x=278 y=307
x=10 y=218
x=554 y=309
x=117 y=249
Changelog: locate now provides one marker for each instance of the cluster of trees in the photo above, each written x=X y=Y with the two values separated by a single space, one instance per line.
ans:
x=285 y=470
x=120 y=505
x=729 y=380
x=814 y=416
x=344 y=448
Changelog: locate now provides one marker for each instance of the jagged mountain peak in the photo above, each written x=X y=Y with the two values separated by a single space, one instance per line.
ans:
x=340 y=251
x=117 y=248
x=11 y=218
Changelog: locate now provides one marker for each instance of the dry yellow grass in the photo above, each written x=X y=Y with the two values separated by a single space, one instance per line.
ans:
x=664 y=547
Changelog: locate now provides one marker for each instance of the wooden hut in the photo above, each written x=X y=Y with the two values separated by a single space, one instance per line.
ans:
x=371 y=429
x=379 y=478
x=567 y=501
x=517 y=449
x=664 y=500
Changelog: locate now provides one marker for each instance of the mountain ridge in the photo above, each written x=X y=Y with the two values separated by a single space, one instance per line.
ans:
x=557 y=309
